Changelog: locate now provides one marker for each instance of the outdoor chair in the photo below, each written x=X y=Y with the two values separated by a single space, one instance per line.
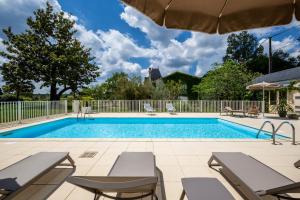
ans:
x=170 y=108
x=204 y=188
x=254 y=111
x=148 y=108
x=132 y=172
x=230 y=110
x=16 y=177
x=251 y=178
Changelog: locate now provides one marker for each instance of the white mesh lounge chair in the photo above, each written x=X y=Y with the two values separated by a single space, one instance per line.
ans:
x=16 y=177
x=148 y=108
x=252 y=178
x=170 y=108
x=133 y=172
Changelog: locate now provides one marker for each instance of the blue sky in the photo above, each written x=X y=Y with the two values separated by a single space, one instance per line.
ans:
x=122 y=39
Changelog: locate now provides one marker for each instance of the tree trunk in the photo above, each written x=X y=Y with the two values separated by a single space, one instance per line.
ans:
x=17 y=95
x=53 y=92
x=62 y=91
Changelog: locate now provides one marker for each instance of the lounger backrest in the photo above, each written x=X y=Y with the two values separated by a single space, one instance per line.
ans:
x=250 y=171
x=134 y=164
x=228 y=108
x=169 y=106
x=147 y=105
x=115 y=184
x=23 y=172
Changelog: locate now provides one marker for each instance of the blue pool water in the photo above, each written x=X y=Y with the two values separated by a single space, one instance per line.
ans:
x=137 y=128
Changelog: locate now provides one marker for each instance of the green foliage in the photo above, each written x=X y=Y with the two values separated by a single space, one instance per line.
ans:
x=283 y=108
x=187 y=80
x=9 y=97
x=47 y=52
x=160 y=91
x=227 y=81
x=175 y=89
x=242 y=47
x=120 y=87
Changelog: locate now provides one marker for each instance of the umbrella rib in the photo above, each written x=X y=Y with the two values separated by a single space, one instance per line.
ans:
x=220 y=14
x=165 y=10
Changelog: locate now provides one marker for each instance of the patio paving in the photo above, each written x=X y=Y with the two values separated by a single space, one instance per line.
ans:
x=176 y=158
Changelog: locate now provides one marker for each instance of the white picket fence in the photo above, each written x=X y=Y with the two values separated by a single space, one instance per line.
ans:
x=22 y=110
x=201 y=106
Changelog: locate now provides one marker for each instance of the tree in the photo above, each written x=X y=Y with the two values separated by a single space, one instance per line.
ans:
x=160 y=91
x=242 y=47
x=227 y=81
x=175 y=89
x=50 y=53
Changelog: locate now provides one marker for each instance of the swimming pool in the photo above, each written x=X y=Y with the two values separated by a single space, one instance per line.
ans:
x=137 y=128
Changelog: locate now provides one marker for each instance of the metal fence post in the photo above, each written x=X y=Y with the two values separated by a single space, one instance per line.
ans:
x=221 y=109
x=47 y=108
x=180 y=106
x=119 y=106
x=19 y=112
x=66 y=107
x=242 y=104
x=139 y=105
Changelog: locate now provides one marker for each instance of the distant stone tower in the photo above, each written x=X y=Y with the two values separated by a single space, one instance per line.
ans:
x=154 y=74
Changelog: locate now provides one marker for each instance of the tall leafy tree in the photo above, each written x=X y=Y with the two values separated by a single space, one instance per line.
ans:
x=50 y=53
x=242 y=47
x=17 y=76
x=227 y=81
x=175 y=89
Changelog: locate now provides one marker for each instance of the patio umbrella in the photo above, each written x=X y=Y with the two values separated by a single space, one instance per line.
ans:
x=263 y=86
x=218 y=16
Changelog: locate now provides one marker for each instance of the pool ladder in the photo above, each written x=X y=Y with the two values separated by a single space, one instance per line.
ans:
x=275 y=131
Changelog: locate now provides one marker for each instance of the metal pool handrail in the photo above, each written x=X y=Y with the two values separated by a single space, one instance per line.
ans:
x=273 y=130
x=293 y=130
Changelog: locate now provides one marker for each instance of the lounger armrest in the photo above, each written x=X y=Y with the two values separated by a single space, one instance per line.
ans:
x=294 y=187
x=107 y=183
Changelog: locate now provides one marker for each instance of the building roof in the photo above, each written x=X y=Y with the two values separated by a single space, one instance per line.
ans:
x=154 y=74
x=183 y=74
x=284 y=76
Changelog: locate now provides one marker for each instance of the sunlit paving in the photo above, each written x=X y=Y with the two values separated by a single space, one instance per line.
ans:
x=149 y=100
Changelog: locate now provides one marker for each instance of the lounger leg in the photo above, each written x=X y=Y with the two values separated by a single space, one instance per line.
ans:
x=71 y=161
x=210 y=162
x=182 y=195
x=97 y=196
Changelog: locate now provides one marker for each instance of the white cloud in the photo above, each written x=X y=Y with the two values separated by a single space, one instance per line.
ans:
x=158 y=36
x=14 y=13
x=199 y=50
x=288 y=44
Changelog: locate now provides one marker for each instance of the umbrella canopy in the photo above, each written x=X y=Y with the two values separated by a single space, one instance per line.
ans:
x=218 y=16
x=263 y=86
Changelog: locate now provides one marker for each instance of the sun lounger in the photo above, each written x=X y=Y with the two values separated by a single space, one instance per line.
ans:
x=133 y=172
x=148 y=107
x=254 y=111
x=251 y=177
x=18 y=176
x=297 y=164
x=230 y=110
x=204 y=189
x=170 y=107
